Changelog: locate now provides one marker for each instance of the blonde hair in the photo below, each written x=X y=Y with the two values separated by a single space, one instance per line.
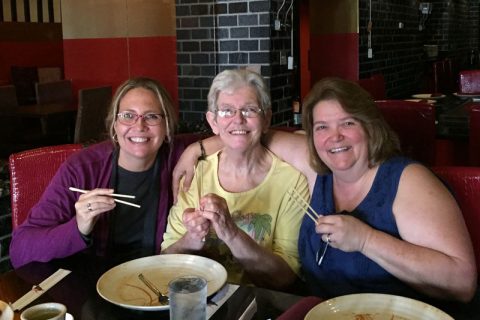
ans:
x=149 y=84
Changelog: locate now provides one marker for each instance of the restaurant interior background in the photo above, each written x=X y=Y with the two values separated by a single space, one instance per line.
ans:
x=184 y=43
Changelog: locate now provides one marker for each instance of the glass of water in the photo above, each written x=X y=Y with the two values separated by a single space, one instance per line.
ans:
x=188 y=298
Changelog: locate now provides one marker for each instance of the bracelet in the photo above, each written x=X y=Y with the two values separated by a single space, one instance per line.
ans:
x=203 y=155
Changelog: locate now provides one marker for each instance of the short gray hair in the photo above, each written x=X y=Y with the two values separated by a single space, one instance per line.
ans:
x=229 y=80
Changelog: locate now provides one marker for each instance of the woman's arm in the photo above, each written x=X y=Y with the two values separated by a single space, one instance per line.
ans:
x=436 y=256
x=185 y=166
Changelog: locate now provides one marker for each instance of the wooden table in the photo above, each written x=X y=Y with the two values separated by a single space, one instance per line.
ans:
x=78 y=292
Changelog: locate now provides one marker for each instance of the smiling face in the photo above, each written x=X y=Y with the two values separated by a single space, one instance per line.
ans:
x=239 y=132
x=139 y=143
x=339 y=139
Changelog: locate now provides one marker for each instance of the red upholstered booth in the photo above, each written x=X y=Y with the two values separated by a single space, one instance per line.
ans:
x=414 y=122
x=469 y=81
x=30 y=173
x=464 y=182
x=474 y=137
x=375 y=85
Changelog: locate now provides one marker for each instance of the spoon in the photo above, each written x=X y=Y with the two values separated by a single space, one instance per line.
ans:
x=163 y=299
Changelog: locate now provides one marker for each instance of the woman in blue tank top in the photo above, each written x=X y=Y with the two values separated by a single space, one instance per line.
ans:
x=386 y=224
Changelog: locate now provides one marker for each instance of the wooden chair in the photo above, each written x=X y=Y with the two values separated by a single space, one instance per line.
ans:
x=30 y=173
x=474 y=137
x=92 y=111
x=8 y=97
x=414 y=122
x=54 y=92
x=49 y=74
x=375 y=85
x=464 y=182
x=24 y=78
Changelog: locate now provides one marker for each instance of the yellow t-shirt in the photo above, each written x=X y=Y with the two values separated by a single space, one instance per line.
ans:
x=266 y=213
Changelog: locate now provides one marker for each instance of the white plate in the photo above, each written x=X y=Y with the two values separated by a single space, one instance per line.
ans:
x=422 y=100
x=374 y=306
x=428 y=96
x=121 y=286
x=467 y=95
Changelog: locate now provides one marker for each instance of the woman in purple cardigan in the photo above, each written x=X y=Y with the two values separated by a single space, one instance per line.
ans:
x=138 y=161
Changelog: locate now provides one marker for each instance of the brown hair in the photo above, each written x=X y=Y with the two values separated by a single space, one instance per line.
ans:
x=383 y=142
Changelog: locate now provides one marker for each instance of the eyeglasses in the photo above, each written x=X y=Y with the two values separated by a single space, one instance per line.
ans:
x=247 y=112
x=130 y=118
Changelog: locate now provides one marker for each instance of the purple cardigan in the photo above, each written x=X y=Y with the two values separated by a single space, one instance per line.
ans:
x=51 y=231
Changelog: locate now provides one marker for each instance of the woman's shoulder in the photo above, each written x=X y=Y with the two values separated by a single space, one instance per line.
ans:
x=97 y=152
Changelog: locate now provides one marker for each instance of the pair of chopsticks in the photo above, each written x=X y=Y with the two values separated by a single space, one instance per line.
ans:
x=113 y=195
x=303 y=204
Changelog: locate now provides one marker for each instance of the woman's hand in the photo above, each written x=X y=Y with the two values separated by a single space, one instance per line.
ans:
x=215 y=209
x=90 y=205
x=344 y=232
x=197 y=228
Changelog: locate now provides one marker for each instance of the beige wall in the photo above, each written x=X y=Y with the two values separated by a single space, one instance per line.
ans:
x=93 y=19
x=333 y=16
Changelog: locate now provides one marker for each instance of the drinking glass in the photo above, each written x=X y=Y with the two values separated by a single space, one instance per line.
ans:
x=188 y=298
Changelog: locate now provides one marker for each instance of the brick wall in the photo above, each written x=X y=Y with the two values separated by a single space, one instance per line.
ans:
x=218 y=35
x=398 y=53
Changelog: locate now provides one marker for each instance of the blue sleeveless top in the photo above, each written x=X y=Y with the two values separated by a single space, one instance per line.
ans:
x=351 y=272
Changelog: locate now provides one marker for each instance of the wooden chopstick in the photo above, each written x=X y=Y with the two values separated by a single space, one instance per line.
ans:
x=200 y=185
x=299 y=201
x=113 y=195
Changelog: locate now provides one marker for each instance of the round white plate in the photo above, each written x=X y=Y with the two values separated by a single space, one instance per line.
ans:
x=467 y=95
x=422 y=100
x=428 y=96
x=375 y=307
x=121 y=286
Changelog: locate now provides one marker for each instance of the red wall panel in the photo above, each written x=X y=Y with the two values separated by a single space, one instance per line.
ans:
x=110 y=61
x=29 y=54
x=95 y=62
x=155 y=57
x=334 y=55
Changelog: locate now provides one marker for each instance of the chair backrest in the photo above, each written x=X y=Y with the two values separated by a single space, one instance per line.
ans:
x=30 y=173
x=414 y=122
x=8 y=96
x=93 y=104
x=24 y=78
x=375 y=85
x=474 y=137
x=469 y=81
x=49 y=74
x=54 y=92
x=464 y=182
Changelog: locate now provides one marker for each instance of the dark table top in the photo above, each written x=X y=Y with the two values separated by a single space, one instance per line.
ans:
x=78 y=292
x=452 y=115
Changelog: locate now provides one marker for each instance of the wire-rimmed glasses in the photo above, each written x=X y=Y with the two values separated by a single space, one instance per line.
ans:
x=313 y=215
x=246 y=112
x=129 y=118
